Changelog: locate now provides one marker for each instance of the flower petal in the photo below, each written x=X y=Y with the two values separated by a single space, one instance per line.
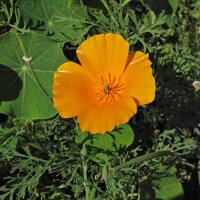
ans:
x=103 y=54
x=101 y=119
x=71 y=89
x=138 y=78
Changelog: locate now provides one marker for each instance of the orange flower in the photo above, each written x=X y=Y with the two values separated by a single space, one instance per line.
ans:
x=106 y=88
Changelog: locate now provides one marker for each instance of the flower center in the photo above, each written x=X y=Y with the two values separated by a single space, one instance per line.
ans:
x=109 y=89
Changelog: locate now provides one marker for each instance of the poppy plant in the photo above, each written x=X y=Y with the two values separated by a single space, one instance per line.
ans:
x=106 y=88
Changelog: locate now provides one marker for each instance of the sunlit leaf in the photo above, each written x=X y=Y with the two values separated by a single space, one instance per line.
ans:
x=120 y=138
x=63 y=18
x=101 y=144
x=162 y=185
x=20 y=93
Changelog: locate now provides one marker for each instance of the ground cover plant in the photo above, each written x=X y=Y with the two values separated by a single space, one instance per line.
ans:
x=47 y=152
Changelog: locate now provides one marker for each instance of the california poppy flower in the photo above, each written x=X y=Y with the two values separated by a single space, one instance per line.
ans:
x=105 y=90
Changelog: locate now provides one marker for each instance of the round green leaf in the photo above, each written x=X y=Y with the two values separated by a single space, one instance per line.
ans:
x=163 y=184
x=63 y=18
x=118 y=139
x=20 y=93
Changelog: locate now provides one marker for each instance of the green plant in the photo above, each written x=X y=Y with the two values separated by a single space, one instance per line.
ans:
x=45 y=157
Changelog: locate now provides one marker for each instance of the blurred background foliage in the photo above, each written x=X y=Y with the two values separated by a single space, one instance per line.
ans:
x=39 y=159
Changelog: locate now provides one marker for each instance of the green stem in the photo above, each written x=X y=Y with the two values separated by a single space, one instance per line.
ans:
x=25 y=52
x=93 y=192
x=16 y=153
x=126 y=2
x=143 y=158
x=85 y=168
x=76 y=126
x=94 y=189
x=21 y=44
x=87 y=189
x=9 y=131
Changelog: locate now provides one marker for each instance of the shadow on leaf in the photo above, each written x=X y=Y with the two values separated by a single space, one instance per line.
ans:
x=10 y=84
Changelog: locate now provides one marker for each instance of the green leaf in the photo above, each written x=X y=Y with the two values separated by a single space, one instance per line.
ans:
x=158 y=6
x=120 y=138
x=169 y=6
x=170 y=18
x=162 y=185
x=174 y=5
x=63 y=18
x=101 y=145
x=20 y=94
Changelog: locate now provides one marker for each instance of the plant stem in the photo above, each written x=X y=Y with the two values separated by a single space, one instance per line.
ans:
x=87 y=189
x=76 y=126
x=9 y=131
x=94 y=189
x=25 y=52
x=21 y=44
x=143 y=158
x=85 y=168
x=93 y=193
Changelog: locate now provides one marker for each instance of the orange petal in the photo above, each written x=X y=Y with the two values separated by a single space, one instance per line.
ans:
x=103 y=54
x=138 y=78
x=101 y=119
x=71 y=89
